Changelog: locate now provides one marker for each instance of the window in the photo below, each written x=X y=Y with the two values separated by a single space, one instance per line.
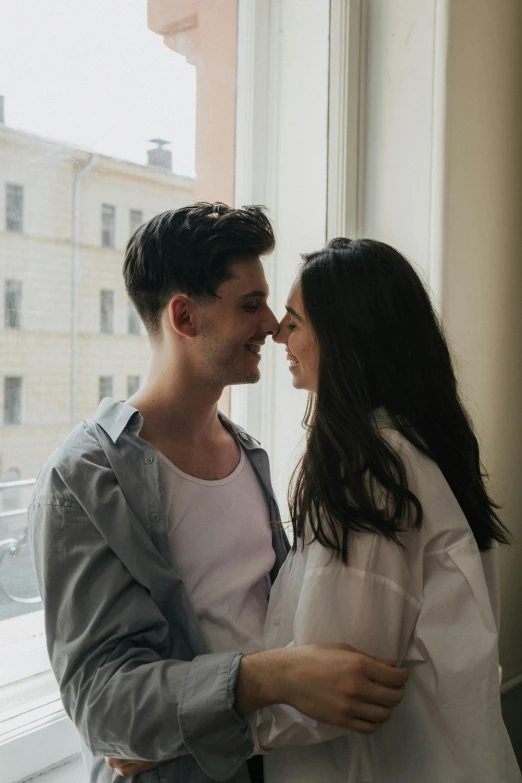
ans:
x=134 y=322
x=136 y=220
x=133 y=384
x=12 y=401
x=14 y=207
x=13 y=304
x=105 y=385
x=108 y=218
x=107 y=312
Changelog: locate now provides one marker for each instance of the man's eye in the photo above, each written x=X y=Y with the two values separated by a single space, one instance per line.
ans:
x=251 y=308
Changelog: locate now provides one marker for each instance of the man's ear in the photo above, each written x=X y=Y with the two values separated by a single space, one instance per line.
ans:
x=182 y=316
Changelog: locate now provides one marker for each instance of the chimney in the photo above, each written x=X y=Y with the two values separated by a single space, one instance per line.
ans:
x=159 y=158
x=2 y=120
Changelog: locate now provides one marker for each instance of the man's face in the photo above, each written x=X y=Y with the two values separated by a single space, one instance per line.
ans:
x=234 y=327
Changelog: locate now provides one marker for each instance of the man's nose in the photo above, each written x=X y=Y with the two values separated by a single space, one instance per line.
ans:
x=270 y=324
x=280 y=336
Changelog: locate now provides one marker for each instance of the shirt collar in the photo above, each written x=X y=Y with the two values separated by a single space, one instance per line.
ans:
x=113 y=417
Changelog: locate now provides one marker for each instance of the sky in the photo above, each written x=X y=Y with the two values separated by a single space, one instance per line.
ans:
x=90 y=73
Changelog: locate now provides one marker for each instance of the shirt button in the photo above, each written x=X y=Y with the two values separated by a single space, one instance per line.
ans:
x=155 y=517
x=148 y=460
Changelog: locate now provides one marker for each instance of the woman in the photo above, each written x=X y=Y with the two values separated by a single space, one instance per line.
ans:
x=395 y=535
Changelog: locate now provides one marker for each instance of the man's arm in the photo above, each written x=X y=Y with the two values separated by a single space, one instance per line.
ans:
x=330 y=683
x=110 y=648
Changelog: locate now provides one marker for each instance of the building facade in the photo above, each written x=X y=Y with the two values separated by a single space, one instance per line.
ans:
x=68 y=332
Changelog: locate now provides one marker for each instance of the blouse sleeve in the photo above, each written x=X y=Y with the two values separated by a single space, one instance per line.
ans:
x=368 y=604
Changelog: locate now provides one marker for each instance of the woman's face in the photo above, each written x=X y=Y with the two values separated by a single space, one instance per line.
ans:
x=302 y=348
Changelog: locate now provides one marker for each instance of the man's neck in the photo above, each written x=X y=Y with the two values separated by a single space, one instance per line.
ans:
x=174 y=406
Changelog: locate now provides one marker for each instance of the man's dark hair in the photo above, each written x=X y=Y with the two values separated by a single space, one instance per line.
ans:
x=190 y=251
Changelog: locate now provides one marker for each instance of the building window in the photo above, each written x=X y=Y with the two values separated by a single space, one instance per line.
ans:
x=104 y=386
x=14 y=207
x=133 y=384
x=134 y=322
x=136 y=220
x=12 y=401
x=13 y=304
x=108 y=217
x=107 y=312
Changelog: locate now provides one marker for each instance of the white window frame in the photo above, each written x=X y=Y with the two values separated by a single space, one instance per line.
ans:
x=270 y=161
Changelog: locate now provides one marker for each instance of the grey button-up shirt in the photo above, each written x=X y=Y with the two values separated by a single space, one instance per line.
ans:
x=134 y=671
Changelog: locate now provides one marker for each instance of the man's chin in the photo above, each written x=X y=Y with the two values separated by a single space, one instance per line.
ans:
x=250 y=377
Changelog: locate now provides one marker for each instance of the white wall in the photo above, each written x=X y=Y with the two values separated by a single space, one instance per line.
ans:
x=482 y=276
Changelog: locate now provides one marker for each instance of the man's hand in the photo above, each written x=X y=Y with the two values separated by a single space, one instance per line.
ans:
x=127 y=767
x=331 y=683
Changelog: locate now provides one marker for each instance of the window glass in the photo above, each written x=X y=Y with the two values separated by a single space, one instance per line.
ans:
x=13 y=304
x=81 y=168
x=14 y=207
x=107 y=312
x=133 y=384
x=105 y=386
x=12 y=494
x=133 y=320
x=108 y=220
x=136 y=220
x=12 y=401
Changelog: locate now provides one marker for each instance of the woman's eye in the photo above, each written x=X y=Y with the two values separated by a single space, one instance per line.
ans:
x=291 y=325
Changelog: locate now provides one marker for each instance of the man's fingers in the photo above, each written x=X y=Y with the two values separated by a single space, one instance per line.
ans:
x=127 y=767
x=371 y=713
x=374 y=693
x=363 y=726
x=386 y=675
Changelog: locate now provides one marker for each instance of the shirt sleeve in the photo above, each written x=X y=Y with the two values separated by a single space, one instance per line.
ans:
x=110 y=649
x=367 y=605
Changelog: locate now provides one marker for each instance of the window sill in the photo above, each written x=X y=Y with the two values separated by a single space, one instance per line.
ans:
x=72 y=770
x=35 y=733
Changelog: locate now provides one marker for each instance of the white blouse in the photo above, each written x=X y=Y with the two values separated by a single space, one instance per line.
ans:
x=434 y=606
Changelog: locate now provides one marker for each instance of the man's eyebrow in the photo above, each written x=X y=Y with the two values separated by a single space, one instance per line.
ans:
x=293 y=312
x=252 y=294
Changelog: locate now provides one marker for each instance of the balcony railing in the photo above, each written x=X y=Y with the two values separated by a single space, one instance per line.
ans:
x=17 y=581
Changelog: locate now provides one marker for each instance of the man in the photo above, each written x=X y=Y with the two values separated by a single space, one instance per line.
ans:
x=156 y=533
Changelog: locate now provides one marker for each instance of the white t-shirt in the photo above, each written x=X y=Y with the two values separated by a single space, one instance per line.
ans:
x=221 y=544
x=433 y=605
